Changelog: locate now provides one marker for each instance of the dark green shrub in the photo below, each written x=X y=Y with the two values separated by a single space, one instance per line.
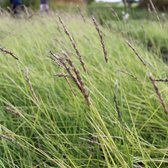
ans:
x=32 y=3
x=4 y=3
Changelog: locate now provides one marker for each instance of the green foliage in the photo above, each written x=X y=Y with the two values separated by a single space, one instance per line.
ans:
x=32 y=3
x=90 y=1
x=4 y=3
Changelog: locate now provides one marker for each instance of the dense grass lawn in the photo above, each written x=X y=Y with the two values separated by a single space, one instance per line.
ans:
x=45 y=121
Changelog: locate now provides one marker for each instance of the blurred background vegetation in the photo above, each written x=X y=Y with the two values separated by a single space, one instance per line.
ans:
x=159 y=4
x=35 y=3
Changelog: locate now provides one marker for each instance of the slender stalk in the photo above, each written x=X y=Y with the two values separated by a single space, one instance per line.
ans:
x=136 y=53
x=62 y=75
x=116 y=102
x=79 y=10
x=158 y=92
x=154 y=9
x=30 y=84
x=65 y=76
x=162 y=80
x=128 y=73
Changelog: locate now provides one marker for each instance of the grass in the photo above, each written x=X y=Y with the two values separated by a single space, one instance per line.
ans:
x=54 y=128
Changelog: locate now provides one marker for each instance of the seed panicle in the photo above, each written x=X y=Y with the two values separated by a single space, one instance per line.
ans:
x=101 y=39
x=70 y=68
x=136 y=53
x=9 y=138
x=8 y=53
x=158 y=92
x=73 y=43
x=12 y=111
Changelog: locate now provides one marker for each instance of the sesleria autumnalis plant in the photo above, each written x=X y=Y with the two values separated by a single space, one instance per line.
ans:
x=44 y=122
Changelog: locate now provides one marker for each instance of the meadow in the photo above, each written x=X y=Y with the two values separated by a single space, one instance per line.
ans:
x=82 y=92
